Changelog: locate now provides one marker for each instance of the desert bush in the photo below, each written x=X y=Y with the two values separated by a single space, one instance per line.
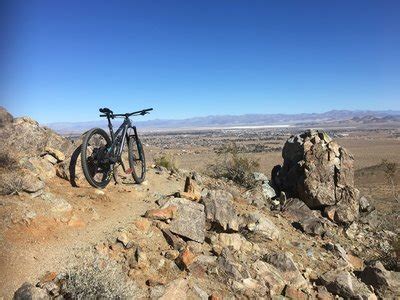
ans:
x=166 y=161
x=11 y=182
x=234 y=166
x=390 y=170
x=97 y=278
x=11 y=178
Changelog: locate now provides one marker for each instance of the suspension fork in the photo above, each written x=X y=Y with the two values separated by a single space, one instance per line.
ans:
x=138 y=145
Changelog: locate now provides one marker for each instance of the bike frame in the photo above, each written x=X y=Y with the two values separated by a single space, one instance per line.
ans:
x=118 y=139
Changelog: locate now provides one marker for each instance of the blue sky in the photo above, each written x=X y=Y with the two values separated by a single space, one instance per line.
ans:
x=62 y=60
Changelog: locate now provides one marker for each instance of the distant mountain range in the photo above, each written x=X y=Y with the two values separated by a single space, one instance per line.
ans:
x=343 y=116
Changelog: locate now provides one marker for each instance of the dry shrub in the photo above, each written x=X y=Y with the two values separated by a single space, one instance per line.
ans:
x=11 y=178
x=234 y=166
x=98 y=278
x=166 y=161
x=390 y=170
x=11 y=182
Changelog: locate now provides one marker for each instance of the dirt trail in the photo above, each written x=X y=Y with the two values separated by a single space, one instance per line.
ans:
x=47 y=244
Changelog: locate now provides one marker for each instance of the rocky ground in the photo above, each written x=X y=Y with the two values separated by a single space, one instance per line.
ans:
x=305 y=233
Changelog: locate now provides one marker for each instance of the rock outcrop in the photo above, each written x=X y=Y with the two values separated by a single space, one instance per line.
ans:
x=319 y=172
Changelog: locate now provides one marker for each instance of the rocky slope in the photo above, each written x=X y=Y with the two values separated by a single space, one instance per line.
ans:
x=305 y=234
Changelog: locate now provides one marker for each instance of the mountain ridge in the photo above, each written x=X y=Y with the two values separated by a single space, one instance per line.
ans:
x=240 y=120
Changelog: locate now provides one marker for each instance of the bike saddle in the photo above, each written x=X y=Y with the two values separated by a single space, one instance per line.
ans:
x=105 y=110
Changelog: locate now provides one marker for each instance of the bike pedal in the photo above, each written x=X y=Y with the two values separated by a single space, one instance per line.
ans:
x=129 y=171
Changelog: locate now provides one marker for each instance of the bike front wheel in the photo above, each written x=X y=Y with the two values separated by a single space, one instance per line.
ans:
x=97 y=170
x=137 y=161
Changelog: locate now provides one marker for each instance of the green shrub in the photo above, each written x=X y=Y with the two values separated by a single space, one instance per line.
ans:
x=234 y=166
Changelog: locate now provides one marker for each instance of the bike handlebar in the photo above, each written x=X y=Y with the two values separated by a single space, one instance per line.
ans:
x=109 y=113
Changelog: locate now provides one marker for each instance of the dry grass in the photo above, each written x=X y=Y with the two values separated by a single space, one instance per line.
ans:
x=166 y=161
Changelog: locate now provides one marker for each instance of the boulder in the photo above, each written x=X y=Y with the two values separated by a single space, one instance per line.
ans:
x=344 y=284
x=284 y=263
x=219 y=209
x=270 y=276
x=190 y=221
x=385 y=282
x=320 y=173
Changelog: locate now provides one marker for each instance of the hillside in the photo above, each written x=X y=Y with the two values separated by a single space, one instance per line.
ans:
x=306 y=232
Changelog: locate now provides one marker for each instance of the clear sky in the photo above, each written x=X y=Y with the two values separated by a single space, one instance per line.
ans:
x=62 y=60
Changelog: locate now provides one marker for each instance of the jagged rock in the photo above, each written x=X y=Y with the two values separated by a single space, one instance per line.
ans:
x=372 y=219
x=229 y=267
x=319 y=172
x=364 y=204
x=161 y=214
x=260 y=177
x=190 y=190
x=342 y=283
x=5 y=117
x=32 y=183
x=260 y=228
x=28 y=291
x=71 y=168
x=190 y=219
x=290 y=272
x=304 y=218
x=28 y=139
x=175 y=241
x=39 y=166
x=219 y=209
x=270 y=276
x=57 y=154
x=50 y=158
x=125 y=240
x=185 y=258
x=385 y=282
x=138 y=260
x=234 y=240
x=268 y=191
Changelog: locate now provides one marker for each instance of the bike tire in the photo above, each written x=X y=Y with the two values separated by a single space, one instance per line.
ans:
x=134 y=143
x=84 y=159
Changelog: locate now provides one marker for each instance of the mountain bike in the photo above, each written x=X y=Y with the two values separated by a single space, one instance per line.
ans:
x=102 y=153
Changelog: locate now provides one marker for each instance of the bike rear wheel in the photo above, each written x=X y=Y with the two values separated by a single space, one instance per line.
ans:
x=97 y=170
x=137 y=160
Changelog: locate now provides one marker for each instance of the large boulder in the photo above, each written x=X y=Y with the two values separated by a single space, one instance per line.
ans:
x=319 y=172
